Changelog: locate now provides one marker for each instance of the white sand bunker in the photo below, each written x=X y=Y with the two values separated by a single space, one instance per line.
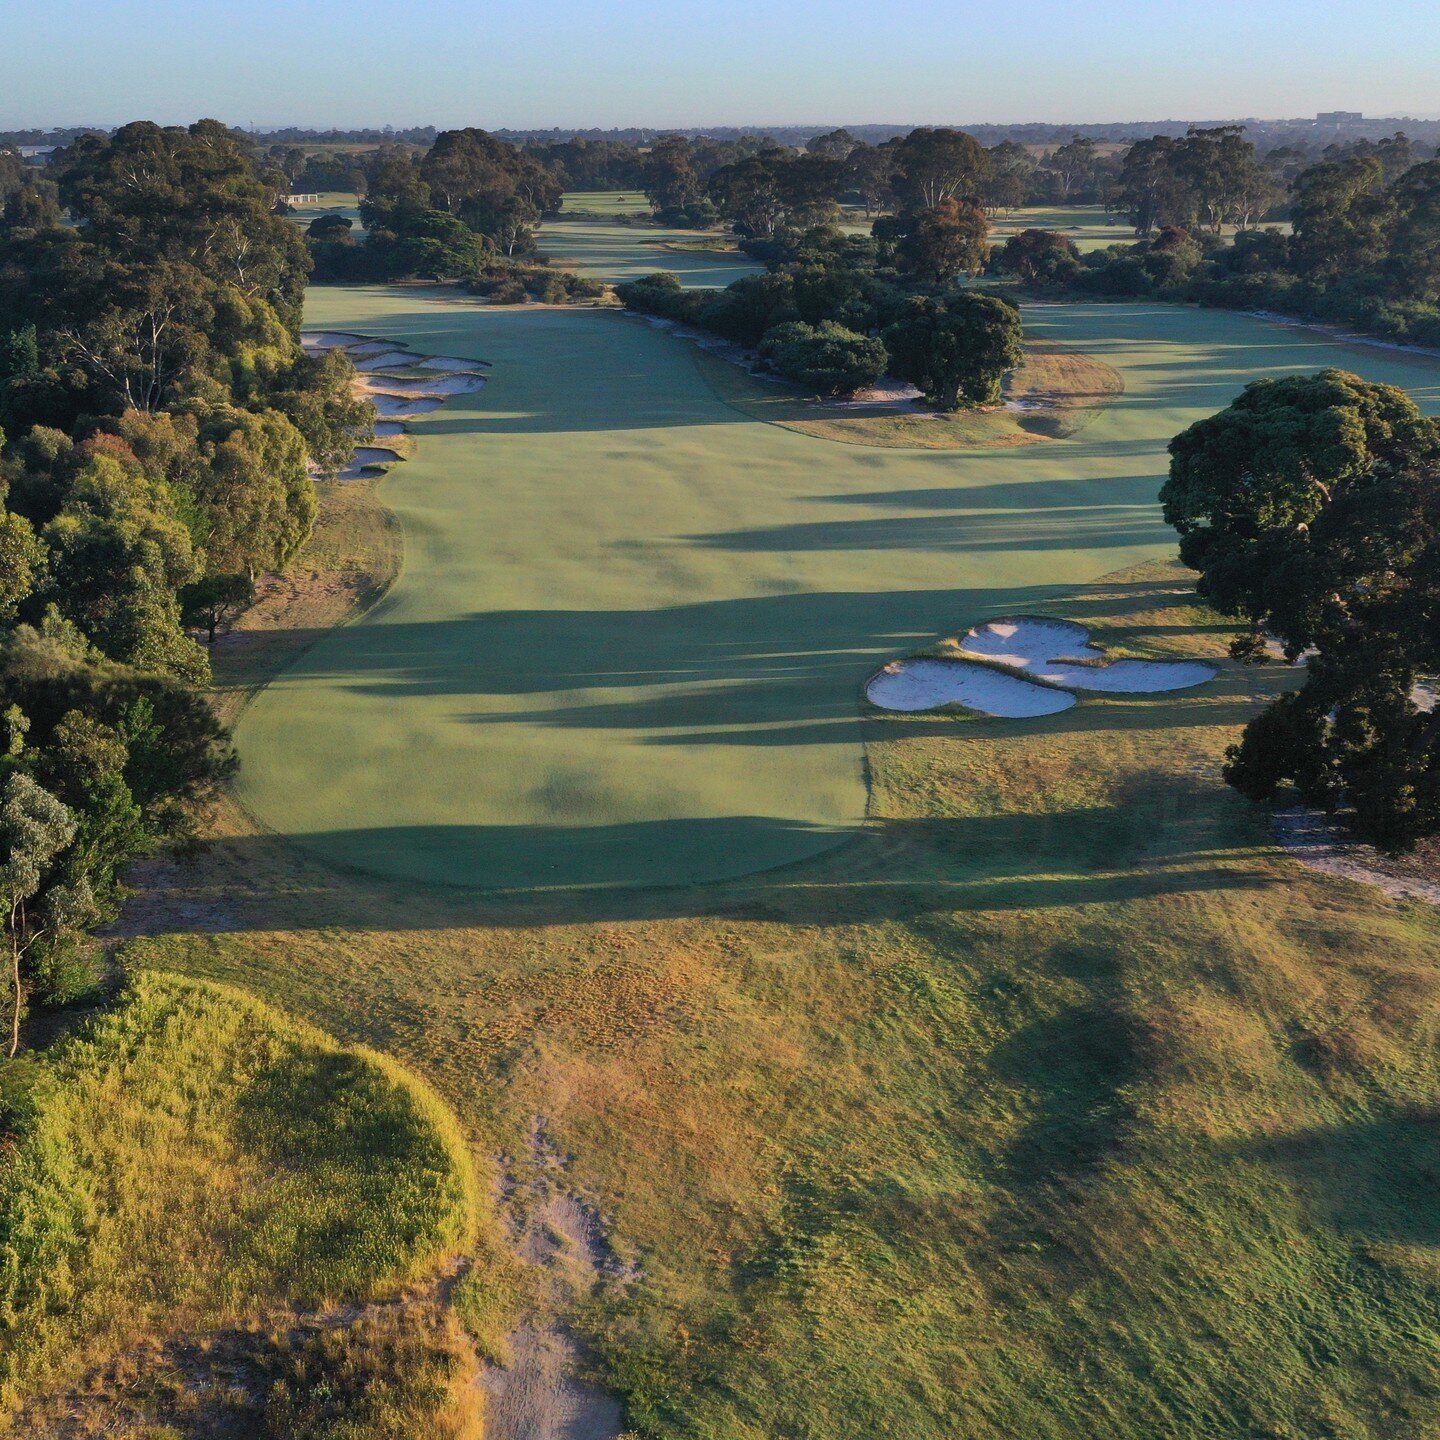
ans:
x=329 y=340
x=371 y=347
x=441 y=385
x=451 y=362
x=1062 y=653
x=928 y=684
x=385 y=429
x=368 y=459
x=384 y=359
x=403 y=406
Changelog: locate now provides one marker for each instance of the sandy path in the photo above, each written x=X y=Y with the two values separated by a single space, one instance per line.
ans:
x=1318 y=843
x=540 y=1395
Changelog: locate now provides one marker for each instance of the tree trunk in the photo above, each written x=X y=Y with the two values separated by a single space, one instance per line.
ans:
x=15 y=974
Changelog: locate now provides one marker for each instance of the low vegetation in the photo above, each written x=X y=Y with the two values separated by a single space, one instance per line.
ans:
x=190 y=1160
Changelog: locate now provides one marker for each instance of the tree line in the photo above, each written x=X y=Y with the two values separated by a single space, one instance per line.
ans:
x=160 y=422
x=1363 y=247
x=836 y=312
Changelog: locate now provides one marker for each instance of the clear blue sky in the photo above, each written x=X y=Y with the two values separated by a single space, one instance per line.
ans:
x=699 y=62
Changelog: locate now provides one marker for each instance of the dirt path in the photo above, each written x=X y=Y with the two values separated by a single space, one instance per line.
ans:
x=541 y=1395
x=1317 y=842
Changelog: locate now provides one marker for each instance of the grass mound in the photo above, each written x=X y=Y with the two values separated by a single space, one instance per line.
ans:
x=1061 y=391
x=194 y=1157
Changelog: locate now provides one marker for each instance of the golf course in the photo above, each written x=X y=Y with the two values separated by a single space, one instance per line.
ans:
x=707 y=735
x=911 y=1073
x=629 y=639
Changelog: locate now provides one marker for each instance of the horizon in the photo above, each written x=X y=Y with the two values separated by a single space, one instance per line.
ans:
x=576 y=67
x=266 y=127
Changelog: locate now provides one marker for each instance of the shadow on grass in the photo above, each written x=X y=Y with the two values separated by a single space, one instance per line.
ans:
x=1378 y=1177
x=1086 y=860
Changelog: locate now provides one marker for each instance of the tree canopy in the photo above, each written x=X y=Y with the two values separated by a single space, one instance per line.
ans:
x=1311 y=508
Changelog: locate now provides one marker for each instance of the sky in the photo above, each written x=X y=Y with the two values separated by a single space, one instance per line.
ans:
x=712 y=62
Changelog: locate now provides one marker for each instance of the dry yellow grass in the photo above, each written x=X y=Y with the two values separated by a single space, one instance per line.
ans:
x=1062 y=390
x=192 y=1159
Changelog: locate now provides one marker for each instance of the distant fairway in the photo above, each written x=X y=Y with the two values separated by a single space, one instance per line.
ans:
x=612 y=250
x=629 y=639
x=1090 y=227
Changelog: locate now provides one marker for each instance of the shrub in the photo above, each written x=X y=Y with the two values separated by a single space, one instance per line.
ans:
x=826 y=358
x=661 y=294
x=744 y=311
x=956 y=347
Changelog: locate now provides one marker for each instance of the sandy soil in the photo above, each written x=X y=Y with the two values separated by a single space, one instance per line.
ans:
x=1319 y=843
x=540 y=1395
x=1062 y=653
x=924 y=684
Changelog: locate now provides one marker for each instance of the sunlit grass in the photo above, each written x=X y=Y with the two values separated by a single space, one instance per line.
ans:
x=193 y=1156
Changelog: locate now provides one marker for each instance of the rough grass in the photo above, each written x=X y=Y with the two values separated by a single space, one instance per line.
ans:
x=1062 y=389
x=1058 y=1103
x=393 y=1372
x=191 y=1157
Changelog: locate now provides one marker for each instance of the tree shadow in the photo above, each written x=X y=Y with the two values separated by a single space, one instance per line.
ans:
x=1087 y=860
x=1378 y=1178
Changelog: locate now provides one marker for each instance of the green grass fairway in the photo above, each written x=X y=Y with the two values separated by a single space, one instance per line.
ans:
x=625 y=247
x=628 y=641
x=605 y=202
x=332 y=202
x=1088 y=226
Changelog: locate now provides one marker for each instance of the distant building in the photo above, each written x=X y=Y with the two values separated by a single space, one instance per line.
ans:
x=1337 y=117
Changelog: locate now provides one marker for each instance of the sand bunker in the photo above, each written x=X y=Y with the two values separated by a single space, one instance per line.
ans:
x=385 y=359
x=451 y=362
x=374 y=347
x=368 y=460
x=928 y=684
x=444 y=385
x=1062 y=653
x=403 y=406
x=329 y=340
x=1021 y=651
x=385 y=429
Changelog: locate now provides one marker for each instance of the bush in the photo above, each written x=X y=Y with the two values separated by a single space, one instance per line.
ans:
x=286 y=1167
x=511 y=282
x=826 y=358
x=661 y=294
x=956 y=347
x=700 y=215
x=744 y=311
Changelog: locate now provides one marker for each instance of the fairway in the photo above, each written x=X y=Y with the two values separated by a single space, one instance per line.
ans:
x=611 y=249
x=630 y=636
